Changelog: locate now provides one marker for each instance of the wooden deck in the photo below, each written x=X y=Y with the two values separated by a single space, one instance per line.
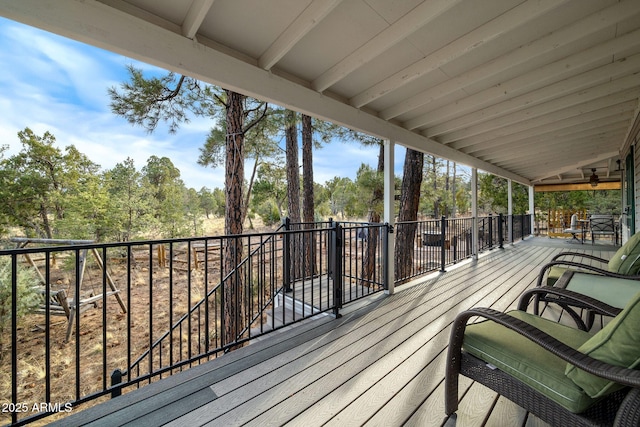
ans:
x=380 y=364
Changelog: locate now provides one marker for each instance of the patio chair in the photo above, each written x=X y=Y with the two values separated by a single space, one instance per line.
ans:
x=562 y=375
x=614 y=285
x=602 y=225
x=625 y=263
x=573 y=229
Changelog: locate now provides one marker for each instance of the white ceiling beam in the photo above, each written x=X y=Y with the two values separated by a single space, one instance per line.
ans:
x=197 y=12
x=401 y=29
x=586 y=80
x=548 y=123
x=556 y=40
x=97 y=24
x=311 y=16
x=552 y=137
x=551 y=142
x=493 y=29
x=578 y=164
x=561 y=108
x=567 y=73
x=553 y=162
x=530 y=151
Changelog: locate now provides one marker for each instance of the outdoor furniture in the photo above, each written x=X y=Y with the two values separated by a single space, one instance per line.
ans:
x=542 y=365
x=573 y=229
x=614 y=285
x=584 y=226
x=432 y=238
x=625 y=263
x=615 y=292
x=602 y=225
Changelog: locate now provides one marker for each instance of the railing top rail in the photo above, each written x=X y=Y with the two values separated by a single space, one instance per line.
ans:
x=436 y=220
x=298 y=231
x=93 y=245
x=51 y=241
x=362 y=225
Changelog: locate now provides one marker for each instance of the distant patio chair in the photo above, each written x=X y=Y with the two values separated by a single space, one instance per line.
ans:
x=602 y=225
x=574 y=229
x=560 y=374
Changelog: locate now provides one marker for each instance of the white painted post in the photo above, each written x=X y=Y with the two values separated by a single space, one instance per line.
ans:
x=389 y=211
x=510 y=210
x=532 y=208
x=474 y=212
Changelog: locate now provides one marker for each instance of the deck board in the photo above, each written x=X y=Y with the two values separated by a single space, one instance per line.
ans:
x=477 y=298
x=359 y=356
x=381 y=363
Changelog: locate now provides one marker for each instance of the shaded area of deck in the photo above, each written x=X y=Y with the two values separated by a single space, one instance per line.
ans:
x=381 y=363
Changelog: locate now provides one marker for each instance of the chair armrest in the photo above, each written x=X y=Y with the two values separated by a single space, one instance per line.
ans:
x=628 y=377
x=567 y=297
x=579 y=254
x=580 y=266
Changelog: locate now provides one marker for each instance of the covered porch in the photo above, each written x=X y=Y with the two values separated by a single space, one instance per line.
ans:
x=381 y=363
x=538 y=92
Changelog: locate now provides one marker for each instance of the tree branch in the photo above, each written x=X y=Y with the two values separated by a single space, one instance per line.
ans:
x=257 y=120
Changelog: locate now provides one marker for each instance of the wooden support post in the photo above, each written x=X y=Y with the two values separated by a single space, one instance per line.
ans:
x=195 y=258
x=162 y=256
x=112 y=285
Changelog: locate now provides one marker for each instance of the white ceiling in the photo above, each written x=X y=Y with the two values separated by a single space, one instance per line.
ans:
x=539 y=91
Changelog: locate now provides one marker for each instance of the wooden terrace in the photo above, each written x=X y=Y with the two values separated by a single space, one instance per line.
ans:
x=381 y=363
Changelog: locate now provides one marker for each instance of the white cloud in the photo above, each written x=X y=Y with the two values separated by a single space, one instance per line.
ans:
x=49 y=83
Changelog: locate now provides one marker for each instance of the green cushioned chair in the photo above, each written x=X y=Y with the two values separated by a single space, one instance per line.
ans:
x=624 y=263
x=562 y=375
x=614 y=285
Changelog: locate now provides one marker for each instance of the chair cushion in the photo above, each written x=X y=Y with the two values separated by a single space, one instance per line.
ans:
x=618 y=343
x=600 y=288
x=517 y=356
x=627 y=259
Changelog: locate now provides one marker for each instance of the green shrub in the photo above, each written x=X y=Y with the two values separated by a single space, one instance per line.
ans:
x=269 y=213
x=28 y=296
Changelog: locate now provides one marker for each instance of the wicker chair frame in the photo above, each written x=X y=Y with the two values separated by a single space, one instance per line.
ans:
x=572 y=309
x=618 y=409
x=556 y=260
x=568 y=300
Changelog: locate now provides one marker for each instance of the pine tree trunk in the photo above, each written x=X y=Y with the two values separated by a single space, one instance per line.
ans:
x=369 y=261
x=453 y=192
x=293 y=194
x=308 y=207
x=44 y=215
x=447 y=211
x=409 y=202
x=436 y=200
x=234 y=313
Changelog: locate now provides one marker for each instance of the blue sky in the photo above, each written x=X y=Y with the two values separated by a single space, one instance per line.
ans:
x=50 y=83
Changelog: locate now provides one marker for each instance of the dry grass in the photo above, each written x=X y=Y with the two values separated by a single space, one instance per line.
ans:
x=31 y=365
x=93 y=374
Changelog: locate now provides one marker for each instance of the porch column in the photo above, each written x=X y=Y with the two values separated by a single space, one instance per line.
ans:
x=532 y=208
x=474 y=212
x=510 y=210
x=389 y=211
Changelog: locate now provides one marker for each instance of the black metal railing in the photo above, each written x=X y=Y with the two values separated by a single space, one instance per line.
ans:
x=115 y=316
x=444 y=242
x=364 y=246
